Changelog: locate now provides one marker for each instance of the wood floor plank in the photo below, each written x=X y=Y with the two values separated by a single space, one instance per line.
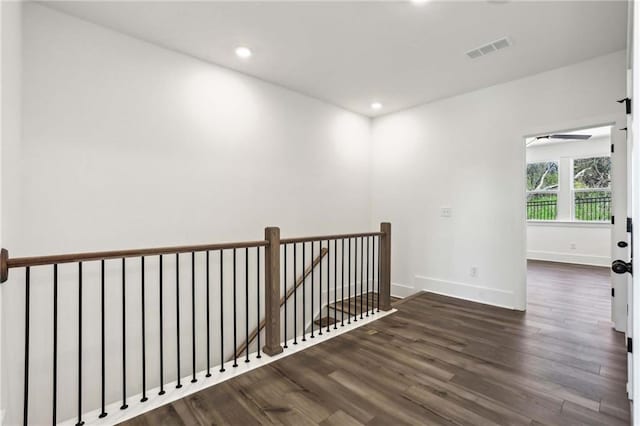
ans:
x=340 y=418
x=443 y=361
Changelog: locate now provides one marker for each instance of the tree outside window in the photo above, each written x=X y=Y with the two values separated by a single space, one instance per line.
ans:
x=542 y=191
x=592 y=189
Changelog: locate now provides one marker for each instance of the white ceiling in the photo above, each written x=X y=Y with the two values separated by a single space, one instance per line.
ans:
x=352 y=53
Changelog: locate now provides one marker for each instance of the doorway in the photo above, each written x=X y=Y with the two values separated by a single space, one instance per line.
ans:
x=576 y=209
x=575 y=186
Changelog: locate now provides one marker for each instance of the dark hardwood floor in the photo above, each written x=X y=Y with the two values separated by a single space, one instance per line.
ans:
x=440 y=360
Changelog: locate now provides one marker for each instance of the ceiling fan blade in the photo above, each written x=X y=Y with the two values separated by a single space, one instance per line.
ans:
x=568 y=136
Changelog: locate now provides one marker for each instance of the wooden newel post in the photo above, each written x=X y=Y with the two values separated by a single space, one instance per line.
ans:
x=272 y=292
x=4 y=266
x=385 y=266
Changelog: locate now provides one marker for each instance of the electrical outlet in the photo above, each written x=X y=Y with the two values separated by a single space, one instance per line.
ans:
x=473 y=271
x=572 y=246
x=445 y=211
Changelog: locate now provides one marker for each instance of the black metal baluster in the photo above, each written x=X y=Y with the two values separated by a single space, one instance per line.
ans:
x=295 y=296
x=349 y=279
x=79 y=422
x=342 y=286
x=304 y=288
x=378 y=301
x=161 y=330
x=179 y=384
x=355 y=278
x=246 y=303
x=320 y=290
x=124 y=405
x=335 y=284
x=103 y=413
x=235 y=305
x=193 y=317
x=285 y=297
x=258 y=300
x=355 y=281
x=55 y=345
x=311 y=314
x=144 y=346
x=371 y=277
x=361 y=278
x=361 y=275
x=27 y=297
x=208 y=321
x=367 y=275
x=328 y=281
x=221 y=311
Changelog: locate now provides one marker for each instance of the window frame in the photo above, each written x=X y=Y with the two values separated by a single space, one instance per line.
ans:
x=565 y=193
x=573 y=190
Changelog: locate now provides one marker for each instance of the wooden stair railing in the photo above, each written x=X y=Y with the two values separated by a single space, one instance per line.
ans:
x=299 y=281
x=130 y=264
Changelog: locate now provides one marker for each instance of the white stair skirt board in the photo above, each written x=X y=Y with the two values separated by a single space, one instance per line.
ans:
x=116 y=415
x=471 y=292
x=578 y=259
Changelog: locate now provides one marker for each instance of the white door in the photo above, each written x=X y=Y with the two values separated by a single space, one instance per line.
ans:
x=634 y=201
x=620 y=211
x=621 y=235
x=630 y=240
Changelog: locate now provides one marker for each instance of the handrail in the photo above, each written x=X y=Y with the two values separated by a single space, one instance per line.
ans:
x=299 y=282
x=328 y=237
x=19 y=262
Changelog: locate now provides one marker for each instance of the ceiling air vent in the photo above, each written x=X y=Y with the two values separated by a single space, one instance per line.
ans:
x=489 y=48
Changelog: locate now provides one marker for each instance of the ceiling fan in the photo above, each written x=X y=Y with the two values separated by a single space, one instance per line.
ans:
x=561 y=136
x=564 y=136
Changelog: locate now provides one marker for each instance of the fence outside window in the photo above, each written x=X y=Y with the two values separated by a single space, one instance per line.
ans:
x=542 y=206
x=592 y=206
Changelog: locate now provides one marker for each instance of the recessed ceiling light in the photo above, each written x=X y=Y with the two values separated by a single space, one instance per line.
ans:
x=419 y=1
x=376 y=105
x=243 y=52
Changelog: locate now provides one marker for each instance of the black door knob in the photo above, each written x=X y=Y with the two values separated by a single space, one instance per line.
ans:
x=621 y=267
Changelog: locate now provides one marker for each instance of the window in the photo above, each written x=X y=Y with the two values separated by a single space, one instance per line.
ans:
x=542 y=191
x=591 y=192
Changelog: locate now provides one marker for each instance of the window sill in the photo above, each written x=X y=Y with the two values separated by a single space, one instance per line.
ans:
x=569 y=223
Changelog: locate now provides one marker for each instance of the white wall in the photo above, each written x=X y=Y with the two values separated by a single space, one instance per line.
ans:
x=578 y=243
x=10 y=136
x=467 y=153
x=152 y=146
x=562 y=240
x=130 y=145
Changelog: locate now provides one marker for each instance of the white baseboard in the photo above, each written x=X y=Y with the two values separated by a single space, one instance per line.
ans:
x=402 y=290
x=471 y=292
x=579 y=259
